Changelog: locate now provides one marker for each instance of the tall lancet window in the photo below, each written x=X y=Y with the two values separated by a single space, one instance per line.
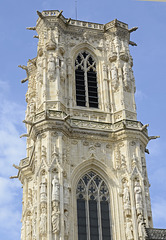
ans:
x=86 y=80
x=93 y=213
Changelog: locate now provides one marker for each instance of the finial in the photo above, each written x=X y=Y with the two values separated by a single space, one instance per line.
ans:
x=40 y=15
x=60 y=13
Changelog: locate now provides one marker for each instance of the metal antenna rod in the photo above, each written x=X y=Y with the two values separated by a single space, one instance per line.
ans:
x=76 y=8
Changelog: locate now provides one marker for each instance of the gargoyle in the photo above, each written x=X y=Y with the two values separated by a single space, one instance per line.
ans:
x=24 y=135
x=132 y=43
x=147 y=150
x=27 y=122
x=26 y=69
x=15 y=166
x=13 y=177
x=133 y=29
x=153 y=137
x=31 y=28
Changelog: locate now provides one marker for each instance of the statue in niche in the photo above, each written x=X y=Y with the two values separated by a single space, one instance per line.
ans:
x=117 y=158
x=55 y=188
x=55 y=218
x=126 y=74
x=141 y=228
x=43 y=221
x=126 y=195
x=43 y=189
x=28 y=228
x=51 y=67
x=114 y=73
x=129 y=229
x=39 y=70
x=66 y=191
x=66 y=222
x=138 y=195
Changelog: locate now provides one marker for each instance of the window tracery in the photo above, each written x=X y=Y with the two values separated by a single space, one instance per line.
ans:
x=93 y=216
x=86 y=80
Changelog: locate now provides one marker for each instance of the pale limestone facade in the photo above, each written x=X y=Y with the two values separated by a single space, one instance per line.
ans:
x=66 y=141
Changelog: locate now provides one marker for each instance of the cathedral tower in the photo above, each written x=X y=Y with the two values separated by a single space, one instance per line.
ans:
x=84 y=177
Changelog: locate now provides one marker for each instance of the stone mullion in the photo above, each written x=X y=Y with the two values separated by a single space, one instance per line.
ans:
x=60 y=146
x=49 y=206
x=111 y=94
x=44 y=80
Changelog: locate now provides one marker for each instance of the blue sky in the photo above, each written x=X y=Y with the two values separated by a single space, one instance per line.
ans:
x=17 y=46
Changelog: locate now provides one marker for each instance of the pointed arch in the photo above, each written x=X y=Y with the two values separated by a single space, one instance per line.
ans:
x=93 y=210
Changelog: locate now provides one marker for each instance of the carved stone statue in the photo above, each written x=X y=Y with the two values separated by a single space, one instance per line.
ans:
x=66 y=222
x=43 y=221
x=43 y=189
x=129 y=230
x=28 y=228
x=141 y=228
x=55 y=189
x=114 y=73
x=126 y=195
x=39 y=69
x=51 y=67
x=138 y=195
x=55 y=218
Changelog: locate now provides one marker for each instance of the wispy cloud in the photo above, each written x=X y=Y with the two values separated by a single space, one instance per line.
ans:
x=12 y=149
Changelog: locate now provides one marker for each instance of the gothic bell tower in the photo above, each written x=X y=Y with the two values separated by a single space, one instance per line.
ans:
x=84 y=177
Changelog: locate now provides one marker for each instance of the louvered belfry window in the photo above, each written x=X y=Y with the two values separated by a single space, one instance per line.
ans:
x=86 y=80
x=93 y=217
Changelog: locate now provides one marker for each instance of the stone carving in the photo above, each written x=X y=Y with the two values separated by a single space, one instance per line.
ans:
x=43 y=190
x=55 y=218
x=28 y=228
x=66 y=222
x=40 y=70
x=117 y=157
x=126 y=77
x=43 y=220
x=126 y=199
x=55 y=188
x=138 y=197
x=114 y=75
x=51 y=68
x=129 y=229
x=141 y=228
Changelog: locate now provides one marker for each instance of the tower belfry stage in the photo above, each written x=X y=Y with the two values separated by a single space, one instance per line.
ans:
x=85 y=176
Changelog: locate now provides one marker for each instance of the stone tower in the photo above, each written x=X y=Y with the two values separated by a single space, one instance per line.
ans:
x=84 y=177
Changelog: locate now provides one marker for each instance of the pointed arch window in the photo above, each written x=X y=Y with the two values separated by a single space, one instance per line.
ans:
x=93 y=215
x=86 y=80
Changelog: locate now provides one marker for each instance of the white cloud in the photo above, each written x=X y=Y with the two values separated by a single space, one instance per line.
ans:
x=12 y=150
x=139 y=95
